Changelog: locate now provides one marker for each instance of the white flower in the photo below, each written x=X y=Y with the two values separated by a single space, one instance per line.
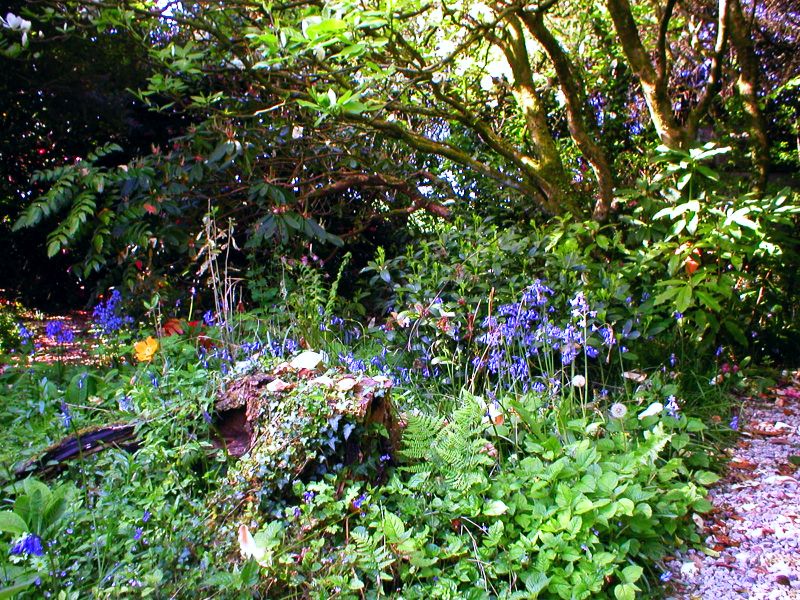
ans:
x=248 y=546
x=15 y=23
x=578 y=381
x=618 y=410
x=654 y=409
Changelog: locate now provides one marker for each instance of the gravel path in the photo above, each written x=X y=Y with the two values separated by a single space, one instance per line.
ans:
x=754 y=529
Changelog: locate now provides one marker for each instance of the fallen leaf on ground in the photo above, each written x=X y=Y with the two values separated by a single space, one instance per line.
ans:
x=278 y=385
x=741 y=463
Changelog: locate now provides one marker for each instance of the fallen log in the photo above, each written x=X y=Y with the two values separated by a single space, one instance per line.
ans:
x=83 y=443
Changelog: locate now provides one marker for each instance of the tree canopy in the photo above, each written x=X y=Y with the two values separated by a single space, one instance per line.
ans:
x=325 y=119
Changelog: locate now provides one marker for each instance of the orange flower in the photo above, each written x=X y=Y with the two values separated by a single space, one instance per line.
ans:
x=146 y=349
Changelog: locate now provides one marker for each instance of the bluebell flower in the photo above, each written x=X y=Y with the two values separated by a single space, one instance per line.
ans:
x=672 y=407
x=735 y=423
x=208 y=318
x=146 y=516
x=66 y=416
x=537 y=294
x=579 y=305
x=107 y=314
x=59 y=332
x=25 y=334
x=359 y=501
x=250 y=348
x=308 y=496
x=665 y=576
x=607 y=335
x=30 y=545
x=138 y=533
x=126 y=403
x=539 y=387
x=673 y=360
x=592 y=352
x=353 y=364
x=678 y=315
x=719 y=351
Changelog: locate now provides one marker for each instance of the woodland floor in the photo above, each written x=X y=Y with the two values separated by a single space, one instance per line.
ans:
x=753 y=532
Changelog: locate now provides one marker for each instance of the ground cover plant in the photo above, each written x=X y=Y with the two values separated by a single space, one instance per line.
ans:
x=538 y=472
x=441 y=299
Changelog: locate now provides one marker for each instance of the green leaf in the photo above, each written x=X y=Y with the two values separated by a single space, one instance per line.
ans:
x=694 y=425
x=708 y=300
x=706 y=478
x=536 y=582
x=17 y=587
x=11 y=522
x=684 y=298
x=393 y=527
x=735 y=331
x=631 y=573
x=625 y=591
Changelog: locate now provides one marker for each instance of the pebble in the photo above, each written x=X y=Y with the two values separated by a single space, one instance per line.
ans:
x=759 y=510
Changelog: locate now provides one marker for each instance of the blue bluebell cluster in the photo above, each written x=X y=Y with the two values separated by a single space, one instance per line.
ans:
x=25 y=334
x=520 y=334
x=208 y=318
x=59 y=332
x=280 y=348
x=107 y=315
x=30 y=545
x=353 y=364
x=338 y=325
x=66 y=416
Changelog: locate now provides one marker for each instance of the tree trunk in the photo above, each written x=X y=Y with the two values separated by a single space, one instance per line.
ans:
x=748 y=83
x=546 y=169
x=652 y=81
x=580 y=118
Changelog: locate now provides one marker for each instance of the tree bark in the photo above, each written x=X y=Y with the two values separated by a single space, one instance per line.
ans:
x=747 y=84
x=580 y=117
x=547 y=167
x=653 y=81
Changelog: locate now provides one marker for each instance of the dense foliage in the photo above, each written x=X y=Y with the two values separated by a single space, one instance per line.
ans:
x=556 y=233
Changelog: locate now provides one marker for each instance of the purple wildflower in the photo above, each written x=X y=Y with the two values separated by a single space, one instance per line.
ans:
x=107 y=314
x=59 y=332
x=30 y=545
x=66 y=416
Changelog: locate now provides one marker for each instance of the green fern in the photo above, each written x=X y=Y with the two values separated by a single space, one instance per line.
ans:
x=453 y=450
